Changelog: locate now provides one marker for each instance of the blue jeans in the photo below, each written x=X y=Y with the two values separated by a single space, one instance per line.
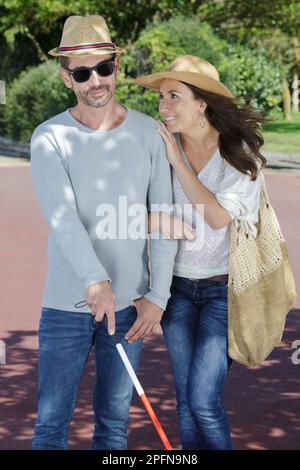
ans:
x=65 y=340
x=195 y=329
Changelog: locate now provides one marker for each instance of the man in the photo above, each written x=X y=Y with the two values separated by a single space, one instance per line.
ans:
x=82 y=161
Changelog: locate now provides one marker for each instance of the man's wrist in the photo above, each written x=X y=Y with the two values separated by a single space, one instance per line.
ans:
x=150 y=301
x=155 y=305
x=102 y=284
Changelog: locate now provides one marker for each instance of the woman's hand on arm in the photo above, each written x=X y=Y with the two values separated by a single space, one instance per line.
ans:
x=173 y=153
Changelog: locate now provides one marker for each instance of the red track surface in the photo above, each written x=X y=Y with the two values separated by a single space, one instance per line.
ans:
x=263 y=404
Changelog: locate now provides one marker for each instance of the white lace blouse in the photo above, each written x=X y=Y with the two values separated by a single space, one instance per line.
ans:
x=208 y=254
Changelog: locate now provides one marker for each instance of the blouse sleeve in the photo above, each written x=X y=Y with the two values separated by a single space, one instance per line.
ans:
x=240 y=196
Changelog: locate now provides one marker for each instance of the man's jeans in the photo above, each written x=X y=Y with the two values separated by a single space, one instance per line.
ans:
x=195 y=328
x=65 y=340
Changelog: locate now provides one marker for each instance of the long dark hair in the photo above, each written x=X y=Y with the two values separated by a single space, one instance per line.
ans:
x=240 y=138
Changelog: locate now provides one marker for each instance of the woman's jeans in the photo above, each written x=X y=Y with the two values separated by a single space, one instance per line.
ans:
x=195 y=328
x=65 y=340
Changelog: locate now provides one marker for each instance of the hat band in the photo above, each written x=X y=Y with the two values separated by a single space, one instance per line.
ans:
x=100 y=45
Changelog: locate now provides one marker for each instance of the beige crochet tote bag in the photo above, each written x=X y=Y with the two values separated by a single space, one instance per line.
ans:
x=261 y=287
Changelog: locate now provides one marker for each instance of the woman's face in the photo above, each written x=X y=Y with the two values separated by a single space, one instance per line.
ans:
x=179 y=107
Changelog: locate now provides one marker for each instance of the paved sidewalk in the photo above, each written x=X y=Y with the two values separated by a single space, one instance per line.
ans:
x=263 y=403
x=276 y=160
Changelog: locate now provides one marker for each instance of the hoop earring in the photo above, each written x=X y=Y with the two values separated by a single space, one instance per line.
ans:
x=202 y=122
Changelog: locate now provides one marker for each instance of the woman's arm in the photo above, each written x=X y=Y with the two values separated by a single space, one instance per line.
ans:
x=214 y=214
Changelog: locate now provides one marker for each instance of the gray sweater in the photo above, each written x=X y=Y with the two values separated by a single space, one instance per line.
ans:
x=74 y=169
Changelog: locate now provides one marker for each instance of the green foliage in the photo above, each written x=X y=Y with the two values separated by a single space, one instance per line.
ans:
x=249 y=74
x=282 y=135
x=254 y=79
x=271 y=24
x=40 y=23
x=126 y=17
x=159 y=44
x=39 y=93
x=35 y=96
x=251 y=17
x=135 y=97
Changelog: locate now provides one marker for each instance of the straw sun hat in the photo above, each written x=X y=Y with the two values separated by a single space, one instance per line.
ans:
x=189 y=69
x=85 y=35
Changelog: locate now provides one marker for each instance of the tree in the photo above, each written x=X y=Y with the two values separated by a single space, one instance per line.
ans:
x=266 y=21
x=35 y=26
x=250 y=74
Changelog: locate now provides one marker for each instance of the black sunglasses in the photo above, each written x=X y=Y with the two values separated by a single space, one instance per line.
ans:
x=83 y=74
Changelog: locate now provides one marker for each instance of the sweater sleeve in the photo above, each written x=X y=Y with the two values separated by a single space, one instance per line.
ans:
x=162 y=251
x=56 y=197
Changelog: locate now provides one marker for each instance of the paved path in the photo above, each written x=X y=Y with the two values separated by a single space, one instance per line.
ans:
x=283 y=160
x=263 y=404
x=277 y=160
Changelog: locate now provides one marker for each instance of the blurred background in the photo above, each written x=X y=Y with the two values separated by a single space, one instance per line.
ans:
x=254 y=45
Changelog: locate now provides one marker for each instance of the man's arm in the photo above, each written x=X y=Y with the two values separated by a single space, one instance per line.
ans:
x=162 y=252
x=58 y=203
x=56 y=197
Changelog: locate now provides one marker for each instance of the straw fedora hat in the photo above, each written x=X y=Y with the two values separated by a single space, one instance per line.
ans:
x=189 y=69
x=85 y=35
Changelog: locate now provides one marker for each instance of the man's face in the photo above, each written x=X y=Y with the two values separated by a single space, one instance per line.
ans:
x=97 y=91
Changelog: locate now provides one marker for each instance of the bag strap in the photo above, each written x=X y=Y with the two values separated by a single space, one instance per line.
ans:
x=264 y=191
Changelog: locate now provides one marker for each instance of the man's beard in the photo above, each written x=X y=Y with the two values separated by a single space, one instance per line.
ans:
x=96 y=101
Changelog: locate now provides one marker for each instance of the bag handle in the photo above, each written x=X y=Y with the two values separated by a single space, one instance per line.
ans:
x=264 y=190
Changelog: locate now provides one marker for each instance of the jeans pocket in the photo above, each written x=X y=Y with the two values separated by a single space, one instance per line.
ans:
x=125 y=318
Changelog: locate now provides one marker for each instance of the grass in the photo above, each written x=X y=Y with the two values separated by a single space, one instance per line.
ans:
x=282 y=135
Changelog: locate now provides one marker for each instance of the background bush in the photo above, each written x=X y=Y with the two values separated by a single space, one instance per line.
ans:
x=254 y=78
x=249 y=73
x=159 y=44
x=36 y=95
x=39 y=93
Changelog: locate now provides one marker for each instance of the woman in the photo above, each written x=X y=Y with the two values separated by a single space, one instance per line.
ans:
x=214 y=149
